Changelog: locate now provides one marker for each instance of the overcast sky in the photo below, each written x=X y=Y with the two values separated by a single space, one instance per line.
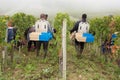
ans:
x=73 y=7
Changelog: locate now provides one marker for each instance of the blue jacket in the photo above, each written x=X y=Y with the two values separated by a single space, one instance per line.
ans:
x=10 y=34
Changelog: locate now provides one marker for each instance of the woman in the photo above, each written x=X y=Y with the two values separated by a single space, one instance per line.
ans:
x=11 y=31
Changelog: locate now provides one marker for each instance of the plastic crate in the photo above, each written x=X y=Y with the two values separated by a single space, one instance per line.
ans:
x=114 y=36
x=85 y=37
x=87 y=34
x=34 y=36
x=89 y=37
x=45 y=36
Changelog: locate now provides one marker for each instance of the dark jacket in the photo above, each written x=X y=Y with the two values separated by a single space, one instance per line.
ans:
x=10 y=34
x=75 y=28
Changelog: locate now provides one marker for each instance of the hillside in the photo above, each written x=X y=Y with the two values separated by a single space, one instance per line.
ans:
x=92 y=65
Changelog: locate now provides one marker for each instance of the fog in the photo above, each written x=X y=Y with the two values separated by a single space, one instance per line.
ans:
x=51 y=7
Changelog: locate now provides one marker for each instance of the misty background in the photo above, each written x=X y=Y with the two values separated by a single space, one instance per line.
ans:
x=74 y=8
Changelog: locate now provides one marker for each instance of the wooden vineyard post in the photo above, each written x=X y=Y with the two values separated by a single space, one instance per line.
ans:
x=3 y=62
x=64 y=48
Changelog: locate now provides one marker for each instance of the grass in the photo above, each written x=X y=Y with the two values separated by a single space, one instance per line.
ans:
x=91 y=66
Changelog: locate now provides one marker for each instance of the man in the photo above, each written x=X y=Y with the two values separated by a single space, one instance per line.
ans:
x=108 y=46
x=42 y=26
x=26 y=34
x=110 y=37
x=80 y=29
